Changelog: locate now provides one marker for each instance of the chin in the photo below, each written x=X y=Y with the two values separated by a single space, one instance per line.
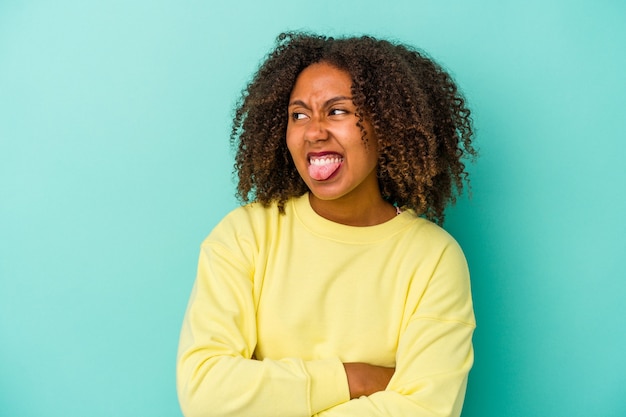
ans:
x=326 y=195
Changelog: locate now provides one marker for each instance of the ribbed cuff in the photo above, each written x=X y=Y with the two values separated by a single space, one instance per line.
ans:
x=328 y=384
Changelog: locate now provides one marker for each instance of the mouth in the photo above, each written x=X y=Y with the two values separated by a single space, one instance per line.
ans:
x=322 y=167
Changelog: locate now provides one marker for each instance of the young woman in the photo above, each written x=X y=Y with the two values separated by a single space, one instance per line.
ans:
x=333 y=292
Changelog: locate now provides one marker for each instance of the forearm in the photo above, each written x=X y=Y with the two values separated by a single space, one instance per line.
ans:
x=233 y=385
x=365 y=379
x=390 y=403
x=428 y=383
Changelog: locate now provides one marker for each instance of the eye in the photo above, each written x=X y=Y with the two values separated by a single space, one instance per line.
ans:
x=337 y=112
x=298 y=116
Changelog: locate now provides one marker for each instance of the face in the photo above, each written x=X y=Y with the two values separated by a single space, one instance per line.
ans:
x=325 y=143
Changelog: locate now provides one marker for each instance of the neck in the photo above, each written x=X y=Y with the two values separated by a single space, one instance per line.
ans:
x=344 y=211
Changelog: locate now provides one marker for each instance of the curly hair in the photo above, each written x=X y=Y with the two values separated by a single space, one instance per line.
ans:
x=420 y=118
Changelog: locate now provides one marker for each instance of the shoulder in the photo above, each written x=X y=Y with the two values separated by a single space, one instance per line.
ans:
x=425 y=233
x=434 y=249
x=248 y=216
x=246 y=226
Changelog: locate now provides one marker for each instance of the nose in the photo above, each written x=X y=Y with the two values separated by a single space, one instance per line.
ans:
x=316 y=130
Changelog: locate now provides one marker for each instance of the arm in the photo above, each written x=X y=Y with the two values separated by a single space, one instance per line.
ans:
x=434 y=352
x=216 y=374
x=365 y=379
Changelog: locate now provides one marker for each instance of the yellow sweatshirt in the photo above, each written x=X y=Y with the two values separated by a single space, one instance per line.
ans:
x=280 y=301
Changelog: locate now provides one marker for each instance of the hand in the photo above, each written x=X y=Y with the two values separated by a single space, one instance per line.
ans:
x=366 y=379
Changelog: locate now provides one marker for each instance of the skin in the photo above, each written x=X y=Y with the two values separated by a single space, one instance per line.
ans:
x=366 y=379
x=323 y=120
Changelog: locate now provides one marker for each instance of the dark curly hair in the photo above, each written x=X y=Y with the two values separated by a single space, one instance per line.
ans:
x=421 y=120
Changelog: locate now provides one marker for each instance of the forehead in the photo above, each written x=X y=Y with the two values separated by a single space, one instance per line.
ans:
x=322 y=79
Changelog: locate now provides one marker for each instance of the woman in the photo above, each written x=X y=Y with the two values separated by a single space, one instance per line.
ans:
x=333 y=292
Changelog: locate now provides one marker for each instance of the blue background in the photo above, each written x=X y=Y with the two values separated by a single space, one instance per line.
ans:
x=115 y=163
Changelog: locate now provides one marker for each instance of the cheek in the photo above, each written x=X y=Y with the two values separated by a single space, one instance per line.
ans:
x=292 y=143
x=371 y=156
x=293 y=151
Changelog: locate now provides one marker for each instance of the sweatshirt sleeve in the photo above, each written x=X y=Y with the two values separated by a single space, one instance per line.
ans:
x=434 y=353
x=216 y=372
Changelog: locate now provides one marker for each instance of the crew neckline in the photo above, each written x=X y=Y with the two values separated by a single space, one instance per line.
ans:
x=321 y=226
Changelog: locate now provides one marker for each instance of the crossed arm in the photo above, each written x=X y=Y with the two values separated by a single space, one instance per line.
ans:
x=217 y=375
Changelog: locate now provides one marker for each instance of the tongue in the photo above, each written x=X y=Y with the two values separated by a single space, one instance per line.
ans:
x=323 y=172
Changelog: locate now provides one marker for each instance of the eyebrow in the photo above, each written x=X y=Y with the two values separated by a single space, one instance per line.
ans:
x=327 y=103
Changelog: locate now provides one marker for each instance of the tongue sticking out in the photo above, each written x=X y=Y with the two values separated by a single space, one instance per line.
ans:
x=322 y=171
